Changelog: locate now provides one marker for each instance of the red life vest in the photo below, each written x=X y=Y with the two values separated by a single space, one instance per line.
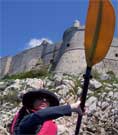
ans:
x=48 y=128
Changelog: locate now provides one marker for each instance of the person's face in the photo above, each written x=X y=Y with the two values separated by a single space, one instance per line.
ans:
x=41 y=103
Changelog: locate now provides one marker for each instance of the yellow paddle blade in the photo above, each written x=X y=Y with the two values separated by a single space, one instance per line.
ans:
x=99 y=31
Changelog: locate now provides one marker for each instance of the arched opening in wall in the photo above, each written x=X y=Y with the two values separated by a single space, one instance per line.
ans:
x=68 y=45
x=116 y=55
x=52 y=65
x=51 y=61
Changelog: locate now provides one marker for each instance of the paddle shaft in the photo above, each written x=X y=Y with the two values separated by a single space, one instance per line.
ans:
x=83 y=97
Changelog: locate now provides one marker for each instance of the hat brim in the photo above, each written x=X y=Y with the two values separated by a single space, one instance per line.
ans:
x=30 y=97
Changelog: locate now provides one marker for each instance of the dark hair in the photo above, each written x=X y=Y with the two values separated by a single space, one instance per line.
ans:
x=22 y=112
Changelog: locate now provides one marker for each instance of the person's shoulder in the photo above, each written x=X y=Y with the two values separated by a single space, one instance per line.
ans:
x=25 y=118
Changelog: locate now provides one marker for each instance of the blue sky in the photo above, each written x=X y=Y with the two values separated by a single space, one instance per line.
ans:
x=24 y=22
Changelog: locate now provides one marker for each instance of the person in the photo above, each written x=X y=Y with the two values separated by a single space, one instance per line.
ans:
x=40 y=108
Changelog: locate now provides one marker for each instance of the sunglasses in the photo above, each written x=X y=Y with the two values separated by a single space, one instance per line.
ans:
x=43 y=99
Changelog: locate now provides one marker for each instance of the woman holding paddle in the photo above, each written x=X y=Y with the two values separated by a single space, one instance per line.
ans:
x=39 y=109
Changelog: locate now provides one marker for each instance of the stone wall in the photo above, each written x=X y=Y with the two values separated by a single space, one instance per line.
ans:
x=110 y=63
x=28 y=59
x=25 y=60
x=5 y=65
x=50 y=54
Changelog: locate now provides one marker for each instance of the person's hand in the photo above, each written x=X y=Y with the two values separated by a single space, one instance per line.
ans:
x=76 y=108
x=75 y=105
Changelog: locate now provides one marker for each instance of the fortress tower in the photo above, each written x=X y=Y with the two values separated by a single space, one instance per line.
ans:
x=71 y=59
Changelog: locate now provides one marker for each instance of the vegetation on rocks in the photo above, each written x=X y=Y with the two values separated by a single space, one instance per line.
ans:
x=29 y=74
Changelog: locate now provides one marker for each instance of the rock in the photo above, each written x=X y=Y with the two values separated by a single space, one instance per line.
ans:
x=68 y=83
x=115 y=85
x=79 y=91
x=104 y=105
x=3 y=85
x=110 y=94
x=90 y=92
x=35 y=83
x=91 y=104
x=3 y=131
x=58 y=79
x=108 y=85
x=62 y=101
x=116 y=95
x=62 y=90
x=107 y=88
x=105 y=76
x=91 y=100
x=49 y=83
x=18 y=81
x=94 y=84
x=102 y=131
x=61 y=129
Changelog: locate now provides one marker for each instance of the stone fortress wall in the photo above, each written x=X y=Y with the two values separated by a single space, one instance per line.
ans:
x=66 y=56
x=29 y=58
x=72 y=60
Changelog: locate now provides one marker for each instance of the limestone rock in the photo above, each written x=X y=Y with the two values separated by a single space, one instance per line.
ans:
x=35 y=83
x=94 y=84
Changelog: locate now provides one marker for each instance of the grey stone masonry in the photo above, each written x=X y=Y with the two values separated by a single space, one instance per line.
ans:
x=72 y=57
x=5 y=63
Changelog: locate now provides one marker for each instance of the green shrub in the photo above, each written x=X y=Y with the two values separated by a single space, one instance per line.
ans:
x=10 y=97
x=29 y=74
x=77 y=83
x=95 y=74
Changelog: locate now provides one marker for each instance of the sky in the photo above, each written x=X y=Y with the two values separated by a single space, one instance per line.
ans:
x=26 y=23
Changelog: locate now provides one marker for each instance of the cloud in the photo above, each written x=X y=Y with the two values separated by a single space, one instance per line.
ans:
x=37 y=42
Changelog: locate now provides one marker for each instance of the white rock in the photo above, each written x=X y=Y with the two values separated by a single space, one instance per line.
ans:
x=107 y=88
x=110 y=94
x=104 y=105
x=35 y=83
x=94 y=84
x=91 y=103
x=79 y=90
x=58 y=79
x=116 y=95
x=63 y=90
x=17 y=81
x=61 y=129
x=62 y=101
x=69 y=83
x=104 y=76
x=91 y=100
x=115 y=85
x=1 y=83
x=108 y=85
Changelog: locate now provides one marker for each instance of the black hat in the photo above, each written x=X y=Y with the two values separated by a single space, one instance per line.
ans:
x=31 y=96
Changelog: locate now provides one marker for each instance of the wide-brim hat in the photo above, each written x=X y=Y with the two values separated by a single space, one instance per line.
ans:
x=31 y=96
